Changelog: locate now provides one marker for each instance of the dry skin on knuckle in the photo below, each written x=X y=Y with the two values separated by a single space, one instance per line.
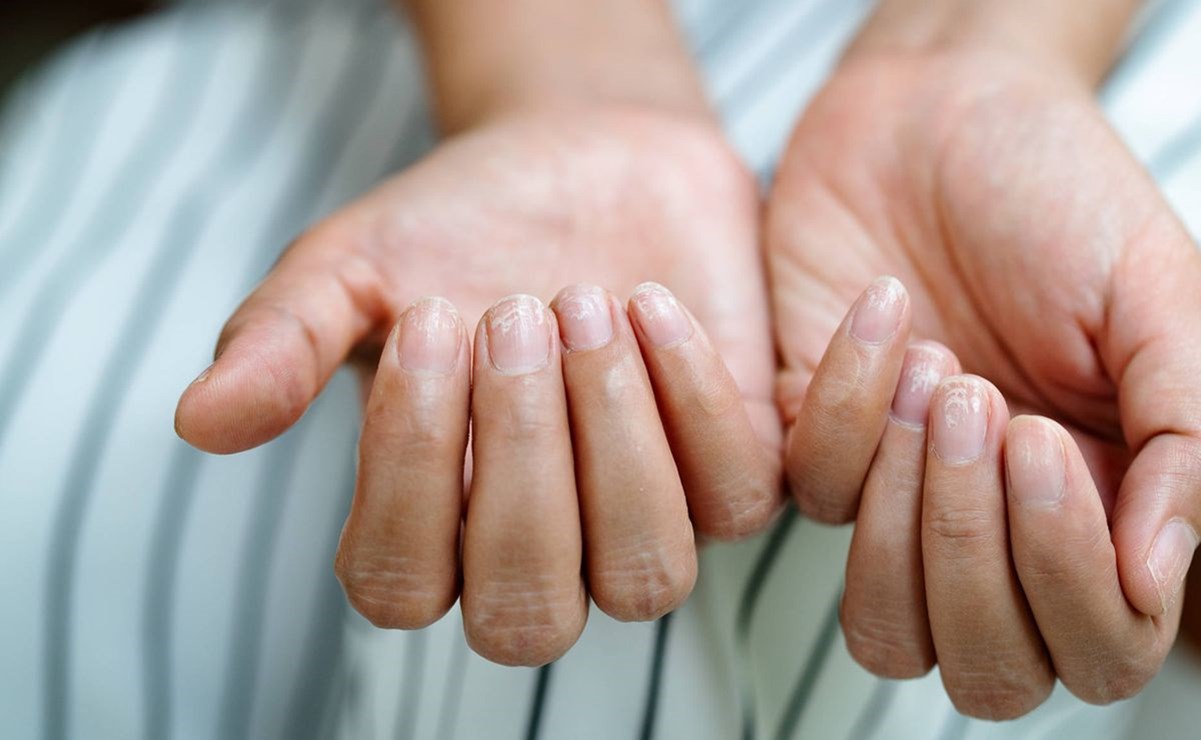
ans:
x=739 y=508
x=834 y=396
x=884 y=646
x=1112 y=670
x=711 y=400
x=525 y=419
x=962 y=531
x=643 y=581
x=1068 y=561
x=825 y=508
x=1130 y=677
x=521 y=622
x=392 y=590
x=996 y=692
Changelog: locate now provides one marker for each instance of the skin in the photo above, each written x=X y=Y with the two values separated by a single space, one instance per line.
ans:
x=1035 y=247
x=591 y=472
x=907 y=164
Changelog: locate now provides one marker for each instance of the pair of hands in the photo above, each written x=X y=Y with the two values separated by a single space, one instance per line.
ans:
x=1030 y=242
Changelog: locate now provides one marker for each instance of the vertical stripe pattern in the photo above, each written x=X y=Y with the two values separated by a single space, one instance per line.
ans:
x=149 y=151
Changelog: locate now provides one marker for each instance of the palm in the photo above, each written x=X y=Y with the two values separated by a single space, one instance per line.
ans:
x=535 y=204
x=1010 y=233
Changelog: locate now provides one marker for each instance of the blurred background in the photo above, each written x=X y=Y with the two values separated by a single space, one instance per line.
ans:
x=31 y=29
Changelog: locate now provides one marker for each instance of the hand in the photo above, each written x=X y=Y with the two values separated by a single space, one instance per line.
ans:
x=527 y=203
x=1036 y=248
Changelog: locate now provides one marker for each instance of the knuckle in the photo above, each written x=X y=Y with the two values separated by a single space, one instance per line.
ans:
x=745 y=510
x=714 y=400
x=885 y=648
x=527 y=422
x=960 y=529
x=1055 y=560
x=643 y=584
x=833 y=399
x=425 y=433
x=522 y=625
x=827 y=508
x=999 y=695
x=1120 y=679
x=391 y=591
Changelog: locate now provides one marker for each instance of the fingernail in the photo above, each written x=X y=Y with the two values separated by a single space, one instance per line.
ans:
x=960 y=422
x=584 y=318
x=1034 y=460
x=429 y=337
x=518 y=335
x=878 y=312
x=921 y=372
x=660 y=316
x=1170 y=557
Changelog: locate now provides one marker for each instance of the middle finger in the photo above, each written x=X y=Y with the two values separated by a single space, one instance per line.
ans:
x=523 y=595
x=992 y=659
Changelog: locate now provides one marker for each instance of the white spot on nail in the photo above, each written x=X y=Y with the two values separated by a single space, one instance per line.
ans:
x=516 y=313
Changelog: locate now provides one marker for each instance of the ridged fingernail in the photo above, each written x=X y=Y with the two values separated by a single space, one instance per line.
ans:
x=922 y=371
x=518 y=335
x=1170 y=557
x=659 y=315
x=429 y=337
x=959 y=421
x=878 y=311
x=1034 y=460
x=584 y=318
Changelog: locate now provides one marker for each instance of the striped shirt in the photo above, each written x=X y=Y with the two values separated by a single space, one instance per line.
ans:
x=149 y=175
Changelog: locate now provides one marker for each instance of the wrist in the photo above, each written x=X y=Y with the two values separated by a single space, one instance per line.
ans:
x=486 y=59
x=1078 y=39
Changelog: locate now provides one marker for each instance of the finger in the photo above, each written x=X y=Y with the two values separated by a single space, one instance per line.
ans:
x=398 y=558
x=835 y=435
x=523 y=596
x=730 y=478
x=884 y=605
x=281 y=346
x=1103 y=649
x=1149 y=345
x=992 y=661
x=641 y=553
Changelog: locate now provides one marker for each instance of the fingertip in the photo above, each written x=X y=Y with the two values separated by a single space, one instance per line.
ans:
x=1155 y=524
x=238 y=404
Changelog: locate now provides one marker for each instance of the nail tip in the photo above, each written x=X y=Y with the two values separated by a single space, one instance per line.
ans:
x=518 y=298
x=648 y=286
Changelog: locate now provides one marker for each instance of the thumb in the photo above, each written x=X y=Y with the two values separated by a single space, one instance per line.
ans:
x=281 y=346
x=1152 y=348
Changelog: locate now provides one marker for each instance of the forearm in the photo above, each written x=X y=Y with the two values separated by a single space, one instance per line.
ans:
x=1080 y=37
x=484 y=58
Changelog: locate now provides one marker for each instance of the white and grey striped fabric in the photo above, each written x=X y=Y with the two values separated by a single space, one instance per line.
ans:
x=149 y=175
